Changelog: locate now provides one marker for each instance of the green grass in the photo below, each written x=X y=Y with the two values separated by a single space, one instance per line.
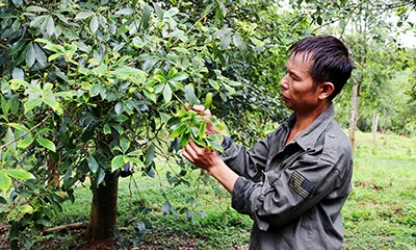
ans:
x=379 y=214
x=381 y=211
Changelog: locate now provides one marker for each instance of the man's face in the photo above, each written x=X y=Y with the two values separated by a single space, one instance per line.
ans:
x=298 y=91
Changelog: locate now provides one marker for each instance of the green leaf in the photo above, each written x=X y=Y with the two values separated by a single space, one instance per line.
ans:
x=170 y=13
x=92 y=164
x=30 y=55
x=238 y=41
x=159 y=76
x=107 y=129
x=214 y=84
x=5 y=105
x=125 y=11
x=117 y=127
x=190 y=95
x=51 y=102
x=36 y=23
x=5 y=181
x=202 y=129
x=165 y=117
x=167 y=93
x=41 y=57
x=100 y=176
x=225 y=42
x=166 y=207
x=172 y=72
x=133 y=3
x=150 y=155
x=194 y=133
x=25 y=142
x=46 y=143
x=26 y=209
x=117 y=163
x=100 y=70
x=125 y=145
x=18 y=73
x=177 y=129
x=158 y=11
x=32 y=103
x=10 y=138
x=145 y=22
x=33 y=8
x=19 y=127
x=217 y=124
x=135 y=153
x=208 y=100
x=200 y=142
x=3 y=200
x=184 y=139
x=19 y=174
x=150 y=94
x=177 y=33
x=50 y=26
x=179 y=77
x=94 y=24
x=125 y=72
x=95 y=90
x=84 y=15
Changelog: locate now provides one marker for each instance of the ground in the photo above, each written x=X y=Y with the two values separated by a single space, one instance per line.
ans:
x=110 y=244
x=52 y=244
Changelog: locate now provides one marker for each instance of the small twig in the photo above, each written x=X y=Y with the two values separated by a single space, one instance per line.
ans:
x=68 y=226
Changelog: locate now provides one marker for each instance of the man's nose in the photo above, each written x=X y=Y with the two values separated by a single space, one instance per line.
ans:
x=283 y=82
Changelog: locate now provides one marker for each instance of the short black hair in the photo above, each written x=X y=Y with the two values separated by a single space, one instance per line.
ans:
x=331 y=60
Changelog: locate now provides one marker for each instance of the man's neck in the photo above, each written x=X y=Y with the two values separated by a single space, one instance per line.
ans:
x=304 y=120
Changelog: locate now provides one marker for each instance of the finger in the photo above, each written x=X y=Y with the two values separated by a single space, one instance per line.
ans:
x=187 y=106
x=198 y=108
x=196 y=151
x=187 y=153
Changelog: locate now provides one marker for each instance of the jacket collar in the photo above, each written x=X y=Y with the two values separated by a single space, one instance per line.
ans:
x=307 y=139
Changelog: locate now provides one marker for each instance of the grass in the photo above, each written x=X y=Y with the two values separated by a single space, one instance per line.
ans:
x=379 y=214
x=381 y=211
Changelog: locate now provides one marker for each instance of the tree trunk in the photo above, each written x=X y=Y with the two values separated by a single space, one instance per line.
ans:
x=104 y=209
x=375 y=126
x=354 y=114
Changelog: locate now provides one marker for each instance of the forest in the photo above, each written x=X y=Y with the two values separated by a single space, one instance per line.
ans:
x=93 y=93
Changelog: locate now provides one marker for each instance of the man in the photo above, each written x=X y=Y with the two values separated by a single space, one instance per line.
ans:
x=294 y=182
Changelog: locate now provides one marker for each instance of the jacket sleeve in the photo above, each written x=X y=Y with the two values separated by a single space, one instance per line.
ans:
x=248 y=163
x=285 y=195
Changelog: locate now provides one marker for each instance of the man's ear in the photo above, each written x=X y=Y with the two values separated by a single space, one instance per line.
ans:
x=325 y=90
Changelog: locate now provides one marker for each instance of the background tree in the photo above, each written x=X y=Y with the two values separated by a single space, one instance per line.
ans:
x=364 y=26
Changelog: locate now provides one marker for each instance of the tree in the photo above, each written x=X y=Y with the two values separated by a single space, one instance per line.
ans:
x=89 y=91
x=360 y=26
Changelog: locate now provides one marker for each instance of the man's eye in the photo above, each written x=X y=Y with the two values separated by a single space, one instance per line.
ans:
x=294 y=77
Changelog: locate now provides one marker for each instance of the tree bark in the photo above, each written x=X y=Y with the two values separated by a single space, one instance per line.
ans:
x=375 y=126
x=354 y=114
x=103 y=209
